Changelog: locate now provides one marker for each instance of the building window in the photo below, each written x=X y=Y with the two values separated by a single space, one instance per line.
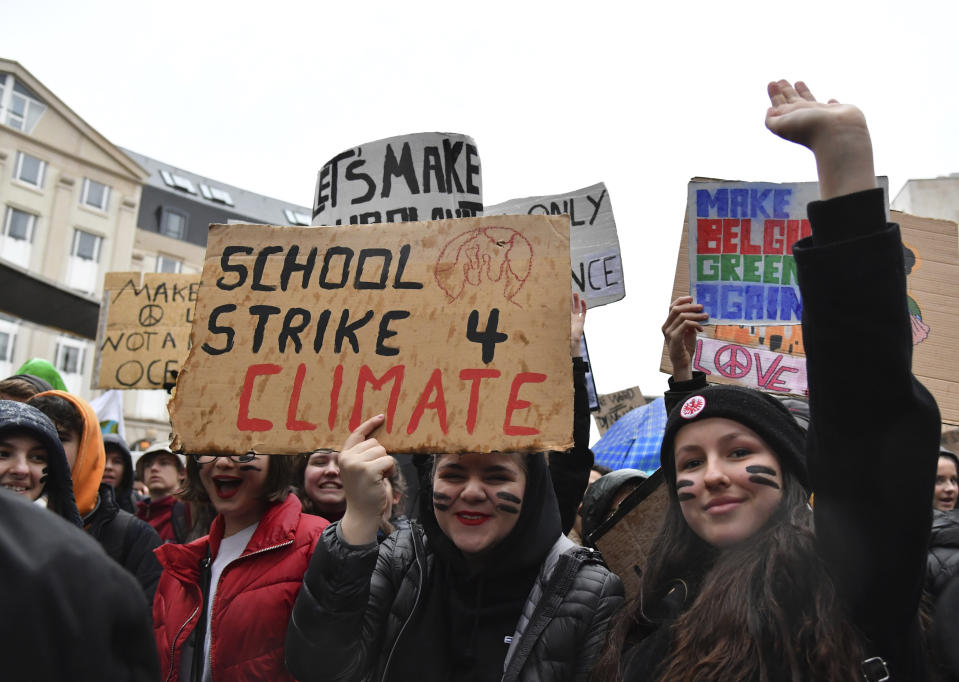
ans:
x=173 y=223
x=20 y=108
x=30 y=169
x=167 y=264
x=8 y=342
x=95 y=194
x=86 y=246
x=17 y=236
x=216 y=194
x=178 y=181
x=19 y=225
x=296 y=218
x=70 y=356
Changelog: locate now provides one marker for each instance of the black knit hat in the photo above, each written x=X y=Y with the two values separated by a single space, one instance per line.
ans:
x=762 y=413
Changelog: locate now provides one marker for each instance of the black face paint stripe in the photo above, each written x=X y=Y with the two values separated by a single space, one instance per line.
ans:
x=441 y=507
x=760 y=469
x=509 y=498
x=764 y=481
x=441 y=496
x=508 y=508
x=683 y=483
x=250 y=467
x=684 y=497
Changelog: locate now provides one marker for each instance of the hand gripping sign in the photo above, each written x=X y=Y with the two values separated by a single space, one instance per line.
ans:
x=456 y=330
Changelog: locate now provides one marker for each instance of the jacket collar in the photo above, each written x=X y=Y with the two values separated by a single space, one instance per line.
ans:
x=276 y=528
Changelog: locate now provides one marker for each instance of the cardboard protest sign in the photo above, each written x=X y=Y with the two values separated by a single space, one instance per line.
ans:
x=424 y=176
x=626 y=538
x=612 y=406
x=772 y=358
x=144 y=329
x=456 y=330
x=741 y=266
x=597 y=264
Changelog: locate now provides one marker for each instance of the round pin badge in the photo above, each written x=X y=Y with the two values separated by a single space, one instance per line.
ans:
x=692 y=407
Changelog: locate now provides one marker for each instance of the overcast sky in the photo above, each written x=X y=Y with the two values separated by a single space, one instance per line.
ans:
x=557 y=95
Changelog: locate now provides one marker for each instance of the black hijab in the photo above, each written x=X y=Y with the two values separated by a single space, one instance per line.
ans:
x=470 y=608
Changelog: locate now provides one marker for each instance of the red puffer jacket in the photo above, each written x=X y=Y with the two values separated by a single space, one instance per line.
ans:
x=253 y=602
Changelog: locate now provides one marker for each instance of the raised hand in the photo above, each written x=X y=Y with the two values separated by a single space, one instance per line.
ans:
x=577 y=319
x=685 y=320
x=364 y=464
x=836 y=133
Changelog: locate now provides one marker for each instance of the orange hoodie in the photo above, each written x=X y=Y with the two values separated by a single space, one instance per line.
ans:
x=91 y=457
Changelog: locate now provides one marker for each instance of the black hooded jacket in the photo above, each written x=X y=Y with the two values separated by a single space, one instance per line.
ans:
x=126 y=500
x=69 y=612
x=58 y=487
x=128 y=540
x=538 y=608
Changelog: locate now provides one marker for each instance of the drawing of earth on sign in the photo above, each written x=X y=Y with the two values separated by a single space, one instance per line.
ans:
x=920 y=330
x=494 y=254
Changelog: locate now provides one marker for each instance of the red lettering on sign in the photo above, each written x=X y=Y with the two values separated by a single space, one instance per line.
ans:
x=476 y=376
x=434 y=385
x=394 y=374
x=292 y=423
x=243 y=420
x=514 y=403
x=335 y=395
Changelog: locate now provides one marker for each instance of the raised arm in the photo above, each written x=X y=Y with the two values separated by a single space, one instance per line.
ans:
x=339 y=616
x=874 y=429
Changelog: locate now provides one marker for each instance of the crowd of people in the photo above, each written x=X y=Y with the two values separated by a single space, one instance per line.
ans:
x=798 y=542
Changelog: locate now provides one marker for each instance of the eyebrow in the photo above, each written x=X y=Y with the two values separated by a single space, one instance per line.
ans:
x=492 y=468
x=35 y=448
x=723 y=440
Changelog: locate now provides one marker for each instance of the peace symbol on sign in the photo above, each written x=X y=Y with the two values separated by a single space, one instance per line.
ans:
x=733 y=362
x=150 y=315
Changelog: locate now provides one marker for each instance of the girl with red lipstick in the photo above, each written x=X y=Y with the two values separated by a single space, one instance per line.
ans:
x=745 y=581
x=223 y=601
x=484 y=576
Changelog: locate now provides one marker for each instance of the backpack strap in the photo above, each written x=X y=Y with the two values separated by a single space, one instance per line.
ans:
x=181 y=528
x=113 y=536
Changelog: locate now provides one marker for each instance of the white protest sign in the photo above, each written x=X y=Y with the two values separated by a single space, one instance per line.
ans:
x=754 y=367
x=408 y=178
x=596 y=263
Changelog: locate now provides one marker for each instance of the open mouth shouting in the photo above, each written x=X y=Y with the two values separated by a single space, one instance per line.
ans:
x=226 y=486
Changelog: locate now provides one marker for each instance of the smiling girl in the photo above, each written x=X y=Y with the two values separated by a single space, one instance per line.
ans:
x=223 y=602
x=488 y=579
x=745 y=581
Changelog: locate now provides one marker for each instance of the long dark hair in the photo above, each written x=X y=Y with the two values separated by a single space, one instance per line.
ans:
x=751 y=611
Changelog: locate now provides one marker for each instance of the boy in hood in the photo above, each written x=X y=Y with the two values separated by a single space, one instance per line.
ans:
x=118 y=471
x=127 y=539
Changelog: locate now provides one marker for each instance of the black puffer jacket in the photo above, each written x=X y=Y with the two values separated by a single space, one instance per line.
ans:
x=128 y=540
x=364 y=610
x=346 y=625
x=943 y=564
